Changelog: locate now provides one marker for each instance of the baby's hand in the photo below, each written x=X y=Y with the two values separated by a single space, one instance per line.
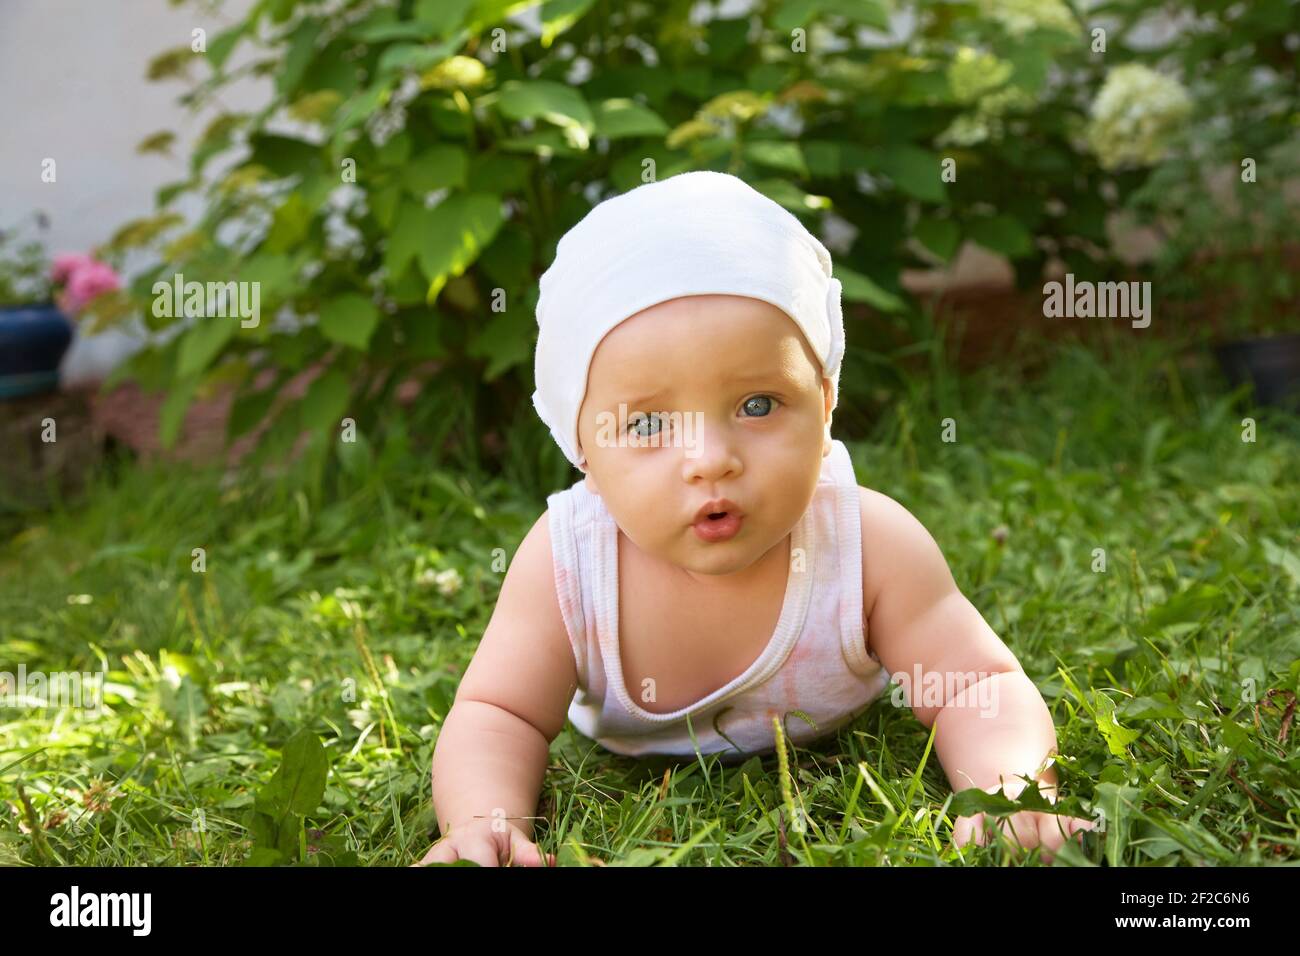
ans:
x=487 y=843
x=1024 y=830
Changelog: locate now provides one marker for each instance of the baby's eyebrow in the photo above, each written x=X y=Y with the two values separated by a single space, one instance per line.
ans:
x=769 y=377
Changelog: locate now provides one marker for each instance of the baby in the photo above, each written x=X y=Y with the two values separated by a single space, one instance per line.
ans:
x=718 y=567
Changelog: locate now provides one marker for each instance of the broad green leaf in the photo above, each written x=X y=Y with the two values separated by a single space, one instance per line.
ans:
x=489 y=12
x=440 y=167
x=298 y=56
x=915 y=171
x=790 y=196
x=777 y=154
x=1187 y=607
x=290 y=225
x=384 y=203
x=455 y=73
x=422 y=334
x=418 y=56
x=186 y=706
x=549 y=142
x=202 y=342
x=859 y=288
x=869 y=13
x=1117 y=805
x=442 y=16
x=801 y=13
x=823 y=158
x=326 y=400
x=261 y=827
x=172 y=414
x=1283 y=558
x=382 y=26
x=247 y=411
x=727 y=37
x=280 y=10
x=1151 y=708
x=622 y=118
x=505 y=341
x=286 y=839
x=354 y=456
x=360 y=106
x=559 y=15
x=397 y=150
x=548 y=100
x=1032 y=64
x=459 y=228
x=508 y=261
x=222 y=44
x=273 y=273
x=406 y=237
x=940 y=236
x=795 y=13
x=1002 y=234
x=283 y=155
x=299 y=784
x=1117 y=736
x=499 y=173
x=349 y=319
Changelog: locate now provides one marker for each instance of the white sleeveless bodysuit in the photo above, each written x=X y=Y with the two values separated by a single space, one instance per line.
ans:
x=815 y=662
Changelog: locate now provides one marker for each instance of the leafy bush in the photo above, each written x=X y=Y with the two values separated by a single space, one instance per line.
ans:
x=24 y=271
x=418 y=161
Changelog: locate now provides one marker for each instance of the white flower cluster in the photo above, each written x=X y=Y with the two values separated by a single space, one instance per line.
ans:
x=1019 y=17
x=1135 y=116
x=979 y=78
x=448 y=582
x=342 y=238
x=383 y=124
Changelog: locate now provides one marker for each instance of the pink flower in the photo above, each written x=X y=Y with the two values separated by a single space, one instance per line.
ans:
x=90 y=280
x=67 y=265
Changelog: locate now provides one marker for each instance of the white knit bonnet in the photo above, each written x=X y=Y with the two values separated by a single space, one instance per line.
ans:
x=695 y=233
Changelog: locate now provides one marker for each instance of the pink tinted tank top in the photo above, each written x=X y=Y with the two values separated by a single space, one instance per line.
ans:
x=816 y=661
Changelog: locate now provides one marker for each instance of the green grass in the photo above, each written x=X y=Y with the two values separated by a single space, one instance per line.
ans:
x=325 y=614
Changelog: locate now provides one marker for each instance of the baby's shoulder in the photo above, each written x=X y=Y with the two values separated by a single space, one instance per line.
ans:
x=897 y=549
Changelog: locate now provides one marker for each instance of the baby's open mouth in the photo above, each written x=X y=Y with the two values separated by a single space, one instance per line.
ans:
x=718 y=525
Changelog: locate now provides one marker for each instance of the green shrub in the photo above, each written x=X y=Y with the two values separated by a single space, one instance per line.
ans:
x=441 y=152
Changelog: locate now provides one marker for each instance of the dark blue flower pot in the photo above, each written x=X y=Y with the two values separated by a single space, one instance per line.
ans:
x=1271 y=365
x=33 y=339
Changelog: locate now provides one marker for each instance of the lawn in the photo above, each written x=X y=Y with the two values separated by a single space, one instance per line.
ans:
x=1170 y=669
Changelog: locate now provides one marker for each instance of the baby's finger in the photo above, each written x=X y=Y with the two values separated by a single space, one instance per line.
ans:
x=482 y=850
x=966 y=829
x=441 y=852
x=1056 y=830
x=1021 y=829
x=523 y=852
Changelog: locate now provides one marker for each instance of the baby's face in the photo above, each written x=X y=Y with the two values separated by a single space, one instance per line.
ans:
x=741 y=410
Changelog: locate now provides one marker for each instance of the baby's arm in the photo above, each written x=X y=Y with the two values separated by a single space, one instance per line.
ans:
x=491 y=753
x=918 y=619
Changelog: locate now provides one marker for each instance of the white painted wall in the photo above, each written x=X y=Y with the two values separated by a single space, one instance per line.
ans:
x=73 y=88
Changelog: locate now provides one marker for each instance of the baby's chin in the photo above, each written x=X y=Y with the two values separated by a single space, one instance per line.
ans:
x=718 y=558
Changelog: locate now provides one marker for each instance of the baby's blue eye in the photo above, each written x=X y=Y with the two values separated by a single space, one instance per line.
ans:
x=636 y=426
x=761 y=404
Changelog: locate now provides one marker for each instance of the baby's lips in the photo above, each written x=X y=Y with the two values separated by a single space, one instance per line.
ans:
x=715 y=506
